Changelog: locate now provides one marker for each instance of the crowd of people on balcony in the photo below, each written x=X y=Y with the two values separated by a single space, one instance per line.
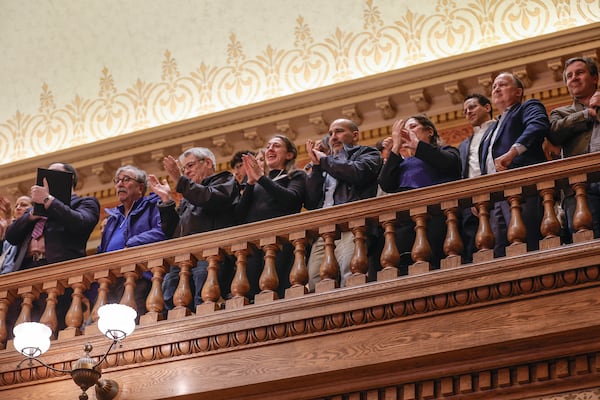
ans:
x=268 y=184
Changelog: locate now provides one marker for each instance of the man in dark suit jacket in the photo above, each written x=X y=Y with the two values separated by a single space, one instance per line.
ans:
x=515 y=141
x=478 y=112
x=60 y=235
x=64 y=232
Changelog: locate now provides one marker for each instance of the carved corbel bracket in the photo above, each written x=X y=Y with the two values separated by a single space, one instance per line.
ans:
x=284 y=128
x=18 y=190
x=104 y=171
x=186 y=146
x=421 y=100
x=352 y=114
x=556 y=66
x=593 y=54
x=456 y=91
x=319 y=124
x=135 y=160
x=252 y=136
x=158 y=156
x=220 y=142
x=387 y=107
x=522 y=73
x=486 y=82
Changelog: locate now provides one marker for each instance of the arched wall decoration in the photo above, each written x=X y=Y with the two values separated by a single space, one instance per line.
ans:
x=392 y=37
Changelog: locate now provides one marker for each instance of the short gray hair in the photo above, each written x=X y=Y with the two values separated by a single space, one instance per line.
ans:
x=140 y=175
x=201 y=153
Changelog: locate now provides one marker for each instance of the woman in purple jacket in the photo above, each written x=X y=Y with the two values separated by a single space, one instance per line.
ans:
x=419 y=159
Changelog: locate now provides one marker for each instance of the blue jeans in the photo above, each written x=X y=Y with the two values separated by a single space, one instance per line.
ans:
x=171 y=280
x=199 y=273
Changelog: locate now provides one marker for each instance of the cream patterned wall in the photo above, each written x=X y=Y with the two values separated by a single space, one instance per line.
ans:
x=589 y=394
x=80 y=72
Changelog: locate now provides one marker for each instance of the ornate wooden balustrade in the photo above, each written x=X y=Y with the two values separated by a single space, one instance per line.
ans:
x=508 y=328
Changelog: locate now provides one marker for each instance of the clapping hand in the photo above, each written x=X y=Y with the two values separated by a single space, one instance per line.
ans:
x=253 y=169
x=162 y=189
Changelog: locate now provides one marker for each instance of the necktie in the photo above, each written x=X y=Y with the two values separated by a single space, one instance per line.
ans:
x=38 y=229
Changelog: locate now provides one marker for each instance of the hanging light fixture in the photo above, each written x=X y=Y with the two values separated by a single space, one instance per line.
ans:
x=116 y=322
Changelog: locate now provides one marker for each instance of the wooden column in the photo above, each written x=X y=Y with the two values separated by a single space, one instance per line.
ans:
x=421 y=250
x=131 y=273
x=484 y=238
x=390 y=256
x=6 y=299
x=155 y=302
x=105 y=278
x=28 y=294
x=183 y=294
x=330 y=269
x=269 y=280
x=359 y=264
x=582 y=217
x=550 y=225
x=453 y=244
x=240 y=286
x=53 y=289
x=299 y=271
x=211 y=291
x=74 y=317
x=516 y=232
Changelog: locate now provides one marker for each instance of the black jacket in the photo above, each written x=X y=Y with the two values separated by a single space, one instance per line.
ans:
x=205 y=207
x=66 y=231
x=356 y=176
x=272 y=196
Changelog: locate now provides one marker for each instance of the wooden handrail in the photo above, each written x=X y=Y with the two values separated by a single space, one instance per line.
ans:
x=129 y=263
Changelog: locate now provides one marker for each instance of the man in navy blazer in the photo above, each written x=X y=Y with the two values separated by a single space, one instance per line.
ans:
x=515 y=141
x=478 y=112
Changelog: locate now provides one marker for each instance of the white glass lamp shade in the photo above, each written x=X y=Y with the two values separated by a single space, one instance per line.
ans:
x=116 y=321
x=32 y=339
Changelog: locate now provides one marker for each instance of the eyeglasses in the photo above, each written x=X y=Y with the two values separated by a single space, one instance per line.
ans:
x=124 y=179
x=191 y=164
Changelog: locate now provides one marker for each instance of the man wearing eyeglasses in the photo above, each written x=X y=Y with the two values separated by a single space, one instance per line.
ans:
x=576 y=127
x=134 y=222
x=207 y=205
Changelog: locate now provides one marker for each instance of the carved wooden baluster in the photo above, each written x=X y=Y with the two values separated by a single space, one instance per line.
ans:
x=211 y=291
x=183 y=294
x=240 y=286
x=359 y=264
x=74 y=317
x=329 y=269
x=516 y=232
x=131 y=273
x=28 y=294
x=268 y=280
x=550 y=225
x=484 y=238
x=421 y=250
x=582 y=217
x=299 y=271
x=453 y=244
x=390 y=256
x=155 y=302
x=104 y=279
x=49 y=317
x=6 y=299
